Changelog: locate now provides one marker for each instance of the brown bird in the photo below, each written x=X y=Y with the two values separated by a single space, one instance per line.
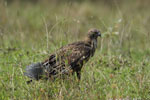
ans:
x=66 y=60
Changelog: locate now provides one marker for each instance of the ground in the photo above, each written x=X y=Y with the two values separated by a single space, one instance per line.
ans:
x=120 y=68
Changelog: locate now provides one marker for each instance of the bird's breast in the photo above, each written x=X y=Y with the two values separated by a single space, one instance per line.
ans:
x=94 y=44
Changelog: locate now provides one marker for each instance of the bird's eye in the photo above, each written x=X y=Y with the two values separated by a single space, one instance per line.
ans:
x=96 y=32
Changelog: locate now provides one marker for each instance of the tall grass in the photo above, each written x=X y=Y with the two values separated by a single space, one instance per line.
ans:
x=119 y=70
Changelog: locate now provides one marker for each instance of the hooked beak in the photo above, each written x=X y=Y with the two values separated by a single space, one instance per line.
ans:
x=99 y=34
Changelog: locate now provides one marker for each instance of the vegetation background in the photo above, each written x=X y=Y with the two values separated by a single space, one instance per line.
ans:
x=32 y=29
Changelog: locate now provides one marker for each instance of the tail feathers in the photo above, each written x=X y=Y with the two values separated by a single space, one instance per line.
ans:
x=35 y=71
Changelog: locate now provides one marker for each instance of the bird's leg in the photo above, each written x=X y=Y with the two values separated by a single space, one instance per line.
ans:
x=78 y=74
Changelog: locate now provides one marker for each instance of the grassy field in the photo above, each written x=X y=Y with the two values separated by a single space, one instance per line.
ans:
x=120 y=68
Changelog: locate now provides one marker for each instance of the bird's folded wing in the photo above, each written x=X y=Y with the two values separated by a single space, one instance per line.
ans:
x=69 y=55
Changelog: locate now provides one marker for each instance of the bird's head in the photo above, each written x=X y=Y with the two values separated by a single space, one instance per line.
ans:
x=94 y=33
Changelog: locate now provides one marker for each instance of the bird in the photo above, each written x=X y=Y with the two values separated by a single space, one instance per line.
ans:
x=66 y=60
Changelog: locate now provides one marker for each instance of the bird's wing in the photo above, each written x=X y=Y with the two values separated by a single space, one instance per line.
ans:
x=71 y=54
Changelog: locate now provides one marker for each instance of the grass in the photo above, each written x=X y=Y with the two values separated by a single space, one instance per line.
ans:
x=120 y=68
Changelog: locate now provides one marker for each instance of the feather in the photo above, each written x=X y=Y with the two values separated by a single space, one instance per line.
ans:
x=68 y=59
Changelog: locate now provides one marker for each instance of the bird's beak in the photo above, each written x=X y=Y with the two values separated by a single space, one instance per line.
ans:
x=99 y=34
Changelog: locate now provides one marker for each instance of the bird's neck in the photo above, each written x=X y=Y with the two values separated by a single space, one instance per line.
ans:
x=92 y=42
x=88 y=40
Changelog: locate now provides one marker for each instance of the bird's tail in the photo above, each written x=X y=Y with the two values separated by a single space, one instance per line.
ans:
x=35 y=71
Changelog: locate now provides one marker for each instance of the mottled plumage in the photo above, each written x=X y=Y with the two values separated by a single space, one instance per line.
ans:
x=67 y=59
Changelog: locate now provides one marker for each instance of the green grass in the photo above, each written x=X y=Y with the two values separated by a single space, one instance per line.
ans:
x=120 y=68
